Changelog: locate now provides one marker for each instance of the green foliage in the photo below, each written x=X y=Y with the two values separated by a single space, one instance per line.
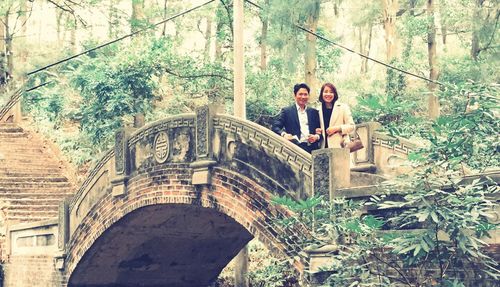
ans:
x=267 y=92
x=112 y=88
x=395 y=81
x=468 y=132
x=328 y=57
x=272 y=273
x=398 y=115
x=439 y=221
x=460 y=70
x=283 y=35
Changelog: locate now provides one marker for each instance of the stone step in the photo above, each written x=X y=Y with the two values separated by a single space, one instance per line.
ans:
x=10 y=129
x=34 y=195
x=13 y=135
x=18 y=149
x=4 y=190
x=38 y=185
x=30 y=167
x=32 y=173
x=26 y=157
x=42 y=179
x=27 y=144
x=35 y=171
x=368 y=167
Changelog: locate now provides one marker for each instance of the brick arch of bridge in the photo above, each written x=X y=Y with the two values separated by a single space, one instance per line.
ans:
x=214 y=165
x=230 y=194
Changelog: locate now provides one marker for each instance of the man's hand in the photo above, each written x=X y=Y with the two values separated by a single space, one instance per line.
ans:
x=312 y=138
x=288 y=137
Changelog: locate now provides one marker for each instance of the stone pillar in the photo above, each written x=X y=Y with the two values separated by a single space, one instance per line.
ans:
x=372 y=127
x=139 y=120
x=122 y=163
x=241 y=268
x=204 y=151
x=63 y=225
x=16 y=112
x=317 y=263
x=331 y=170
x=63 y=236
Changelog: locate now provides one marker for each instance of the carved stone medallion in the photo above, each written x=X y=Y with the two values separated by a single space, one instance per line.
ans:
x=161 y=147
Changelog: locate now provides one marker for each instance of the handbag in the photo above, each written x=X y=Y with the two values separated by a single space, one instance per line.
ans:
x=354 y=145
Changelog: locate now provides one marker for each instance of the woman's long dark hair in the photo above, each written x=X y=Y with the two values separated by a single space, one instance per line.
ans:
x=335 y=94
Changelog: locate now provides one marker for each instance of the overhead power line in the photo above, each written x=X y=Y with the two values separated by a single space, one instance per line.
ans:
x=355 y=52
x=118 y=39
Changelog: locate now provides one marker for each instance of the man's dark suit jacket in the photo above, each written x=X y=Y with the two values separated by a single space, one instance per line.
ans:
x=288 y=121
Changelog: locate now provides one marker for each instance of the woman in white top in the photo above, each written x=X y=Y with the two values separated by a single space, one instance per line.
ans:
x=335 y=118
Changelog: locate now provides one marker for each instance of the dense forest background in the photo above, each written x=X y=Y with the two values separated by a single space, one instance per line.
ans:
x=427 y=70
x=175 y=66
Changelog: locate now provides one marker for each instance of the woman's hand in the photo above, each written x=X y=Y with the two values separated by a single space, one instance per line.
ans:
x=319 y=131
x=332 y=130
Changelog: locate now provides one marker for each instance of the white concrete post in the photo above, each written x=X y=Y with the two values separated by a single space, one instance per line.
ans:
x=239 y=61
x=241 y=269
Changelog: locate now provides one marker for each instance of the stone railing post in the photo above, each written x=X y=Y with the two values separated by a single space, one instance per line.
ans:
x=204 y=150
x=366 y=155
x=11 y=112
x=331 y=170
x=63 y=234
x=122 y=163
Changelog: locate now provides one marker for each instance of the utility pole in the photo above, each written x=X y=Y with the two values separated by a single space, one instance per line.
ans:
x=241 y=269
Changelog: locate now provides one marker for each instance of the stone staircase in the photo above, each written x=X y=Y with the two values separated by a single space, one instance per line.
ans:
x=32 y=178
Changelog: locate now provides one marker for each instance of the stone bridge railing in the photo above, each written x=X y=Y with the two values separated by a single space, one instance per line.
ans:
x=205 y=141
x=202 y=140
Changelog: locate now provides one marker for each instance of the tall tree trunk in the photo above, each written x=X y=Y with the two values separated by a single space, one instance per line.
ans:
x=433 y=69
x=365 y=46
x=164 y=29
x=23 y=52
x=476 y=16
x=218 y=32
x=208 y=38
x=444 y=32
x=3 y=55
x=409 y=41
x=137 y=18
x=60 y=34
x=73 y=25
x=9 y=55
x=263 y=40
x=112 y=21
x=310 y=52
x=390 y=8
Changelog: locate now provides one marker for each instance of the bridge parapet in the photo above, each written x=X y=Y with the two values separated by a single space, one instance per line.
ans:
x=203 y=140
x=261 y=154
x=391 y=153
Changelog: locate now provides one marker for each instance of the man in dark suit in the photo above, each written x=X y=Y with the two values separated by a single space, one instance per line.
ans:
x=298 y=123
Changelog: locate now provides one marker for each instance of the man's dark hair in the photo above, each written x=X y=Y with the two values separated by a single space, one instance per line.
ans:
x=297 y=87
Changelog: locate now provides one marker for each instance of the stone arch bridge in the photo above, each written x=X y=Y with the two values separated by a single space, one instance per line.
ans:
x=176 y=200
